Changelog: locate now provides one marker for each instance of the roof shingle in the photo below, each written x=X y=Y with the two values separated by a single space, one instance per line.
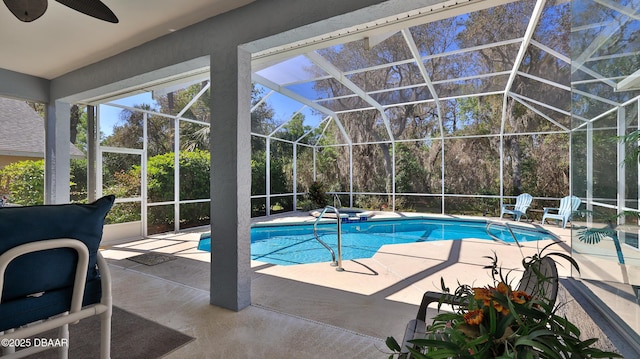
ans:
x=22 y=130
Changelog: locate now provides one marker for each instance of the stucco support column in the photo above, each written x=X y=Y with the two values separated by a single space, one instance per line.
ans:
x=57 y=156
x=230 y=178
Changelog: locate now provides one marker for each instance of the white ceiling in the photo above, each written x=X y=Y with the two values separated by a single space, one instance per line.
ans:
x=63 y=39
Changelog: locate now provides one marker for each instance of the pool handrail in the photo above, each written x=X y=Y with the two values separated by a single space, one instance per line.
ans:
x=336 y=198
x=337 y=263
x=495 y=238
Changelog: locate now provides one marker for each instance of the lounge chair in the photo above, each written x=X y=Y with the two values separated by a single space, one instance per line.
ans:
x=52 y=275
x=540 y=282
x=568 y=205
x=519 y=209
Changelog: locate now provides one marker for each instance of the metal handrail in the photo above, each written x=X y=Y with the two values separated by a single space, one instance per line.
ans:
x=495 y=238
x=337 y=198
x=337 y=263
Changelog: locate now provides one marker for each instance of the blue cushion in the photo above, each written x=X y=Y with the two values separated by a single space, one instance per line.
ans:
x=16 y=313
x=53 y=269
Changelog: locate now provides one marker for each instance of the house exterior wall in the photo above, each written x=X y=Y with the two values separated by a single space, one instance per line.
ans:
x=5 y=160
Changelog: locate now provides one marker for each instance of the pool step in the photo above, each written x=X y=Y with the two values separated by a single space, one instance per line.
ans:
x=358 y=217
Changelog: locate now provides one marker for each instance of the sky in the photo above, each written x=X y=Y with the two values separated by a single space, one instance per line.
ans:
x=109 y=115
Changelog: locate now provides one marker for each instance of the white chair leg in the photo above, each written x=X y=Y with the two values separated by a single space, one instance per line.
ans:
x=8 y=349
x=63 y=334
x=105 y=334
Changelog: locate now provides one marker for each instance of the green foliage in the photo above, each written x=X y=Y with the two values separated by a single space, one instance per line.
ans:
x=124 y=184
x=261 y=119
x=317 y=194
x=328 y=166
x=280 y=181
x=294 y=128
x=194 y=184
x=631 y=140
x=78 y=180
x=258 y=173
x=160 y=177
x=316 y=197
x=376 y=203
x=194 y=176
x=23 y=182
x=124 y=212
x=408 y=169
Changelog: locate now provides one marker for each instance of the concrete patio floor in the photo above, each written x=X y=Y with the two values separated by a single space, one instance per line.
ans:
x=303 y=311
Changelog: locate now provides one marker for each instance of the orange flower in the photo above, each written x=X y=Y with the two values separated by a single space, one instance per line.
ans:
x=474 y=317
x=500 y=309
x=520 y=297
x=482 y=294
x=503 y=288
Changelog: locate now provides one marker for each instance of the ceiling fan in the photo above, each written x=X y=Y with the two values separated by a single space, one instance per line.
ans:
x=29 y=10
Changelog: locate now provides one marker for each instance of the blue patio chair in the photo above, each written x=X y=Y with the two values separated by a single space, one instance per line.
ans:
x=568 y=205
x=519 y=209
x=52 y=275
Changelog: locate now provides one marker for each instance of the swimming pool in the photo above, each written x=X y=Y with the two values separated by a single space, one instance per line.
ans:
x=296 y=244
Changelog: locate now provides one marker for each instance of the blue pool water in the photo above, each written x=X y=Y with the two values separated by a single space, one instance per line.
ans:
x=295 y=244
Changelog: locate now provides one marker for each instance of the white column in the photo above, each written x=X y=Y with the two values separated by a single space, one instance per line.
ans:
x=176 y=175
x=295 y=176
x=92 y=146
x=622 y=166
x=351 y=175
x=267 y=177
x=57 y=167
x=589 y=160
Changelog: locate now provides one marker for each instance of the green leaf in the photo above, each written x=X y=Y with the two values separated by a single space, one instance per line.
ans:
x=568 y=258
x=504 y=323
x=446 y=316
x=546 y=350
x=417 y=354
x=492 y=318
x=444 y=288
x=587 y=343
x=392 y=344
x=434 y=343
x=437 y=354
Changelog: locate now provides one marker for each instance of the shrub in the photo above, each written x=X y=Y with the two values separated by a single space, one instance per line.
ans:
x=79 y=180
x=23 y=182
x=194 y=184
x=315 y=198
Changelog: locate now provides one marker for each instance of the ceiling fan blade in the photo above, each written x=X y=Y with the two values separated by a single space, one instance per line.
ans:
x=95 y=8
x=27 y=10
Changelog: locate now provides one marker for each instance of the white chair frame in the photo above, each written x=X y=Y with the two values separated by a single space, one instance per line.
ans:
x=76 y=313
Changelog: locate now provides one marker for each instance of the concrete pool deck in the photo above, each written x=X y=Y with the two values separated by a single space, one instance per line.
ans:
x=302 y=311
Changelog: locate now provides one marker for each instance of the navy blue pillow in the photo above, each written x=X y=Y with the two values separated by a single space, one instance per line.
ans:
x=51 y=269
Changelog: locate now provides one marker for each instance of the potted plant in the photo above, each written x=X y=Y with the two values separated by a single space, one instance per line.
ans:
x=500 y=322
